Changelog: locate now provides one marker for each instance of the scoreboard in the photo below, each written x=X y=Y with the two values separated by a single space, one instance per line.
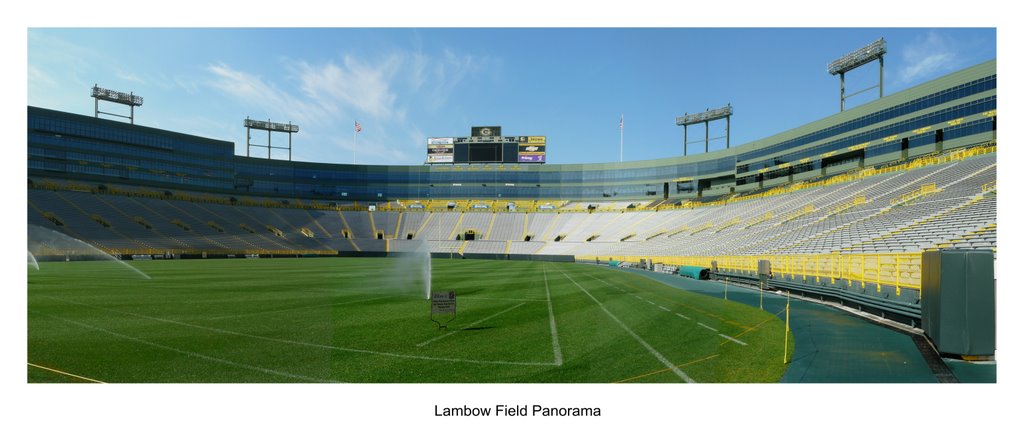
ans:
x=486 y=145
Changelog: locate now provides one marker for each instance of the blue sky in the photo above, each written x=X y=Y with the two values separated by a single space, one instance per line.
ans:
x=405 y=84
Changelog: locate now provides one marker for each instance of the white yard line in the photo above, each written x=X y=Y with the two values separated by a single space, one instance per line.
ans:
x=472 y=324
x=649 y=348
x=682 y=316
x=733 y=339
x=664 y=308
x=707 y=327
x=307 y=344
x=551 y=317
x=190 y=353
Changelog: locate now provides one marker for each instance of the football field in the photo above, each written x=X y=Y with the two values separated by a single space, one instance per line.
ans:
x=368 y=320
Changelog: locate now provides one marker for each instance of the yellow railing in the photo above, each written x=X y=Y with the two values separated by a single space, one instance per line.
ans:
x=924 y=190
x=900 y=270
x=797 y=213
x=848 y=205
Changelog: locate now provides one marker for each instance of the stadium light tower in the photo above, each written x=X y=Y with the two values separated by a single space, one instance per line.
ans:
x=855 y=59
x=270 y=127
x=706 y=117
x=118 y=97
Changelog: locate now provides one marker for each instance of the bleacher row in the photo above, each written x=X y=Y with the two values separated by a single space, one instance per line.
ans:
x=951 y=205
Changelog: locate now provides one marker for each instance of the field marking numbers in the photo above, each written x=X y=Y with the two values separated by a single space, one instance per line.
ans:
x=65 y=373
x=472 y=324
x=190 y=353
x=649 y=348
x=733 y=339
x=551 y=317
x=308 y=344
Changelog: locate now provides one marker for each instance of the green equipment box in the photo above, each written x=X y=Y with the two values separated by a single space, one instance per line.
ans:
x=958 y=301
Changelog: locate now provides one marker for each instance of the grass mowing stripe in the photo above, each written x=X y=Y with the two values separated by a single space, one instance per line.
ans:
x=705 y=312
x=306 y=344
x=551 y=317
x=64 y=373
x=759 y=324
x=265 y=312
x=649 y=348
x=472 y=324
x=500 y=299
x=190 y=353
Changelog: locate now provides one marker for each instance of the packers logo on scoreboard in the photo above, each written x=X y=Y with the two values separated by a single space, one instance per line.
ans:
x=485 y=131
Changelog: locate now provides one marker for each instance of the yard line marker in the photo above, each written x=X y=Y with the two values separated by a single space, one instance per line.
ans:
x=306 y=344
x=709 y=328
x=733 y=339
x=682 y=316
x=65 y=373
x=649 y=348
x=650 y=302
x=551 y=318
x=190 y=353
x=472 y=324
x=664 y=308
x=638 y=297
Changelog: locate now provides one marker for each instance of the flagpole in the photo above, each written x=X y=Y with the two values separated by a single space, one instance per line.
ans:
x=354 y=144
x=622 y=120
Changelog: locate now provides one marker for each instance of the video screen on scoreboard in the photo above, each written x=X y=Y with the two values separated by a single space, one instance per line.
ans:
x=485 y=152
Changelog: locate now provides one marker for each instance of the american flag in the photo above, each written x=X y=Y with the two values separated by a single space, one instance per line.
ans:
x=358 y=127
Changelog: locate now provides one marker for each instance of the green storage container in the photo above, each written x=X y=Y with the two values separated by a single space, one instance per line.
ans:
x=958 y=301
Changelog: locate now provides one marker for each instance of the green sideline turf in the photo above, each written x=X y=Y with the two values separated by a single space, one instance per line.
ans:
x=367 y=320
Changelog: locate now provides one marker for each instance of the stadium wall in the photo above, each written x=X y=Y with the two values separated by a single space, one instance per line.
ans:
x=952 y=111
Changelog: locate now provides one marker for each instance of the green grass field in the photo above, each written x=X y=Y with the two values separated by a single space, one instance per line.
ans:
x=367 y=320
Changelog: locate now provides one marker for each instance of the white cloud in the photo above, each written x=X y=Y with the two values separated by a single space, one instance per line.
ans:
x=364 y=87
x=128 y=76
x=926 y=57
x=39 y=78
x=381 y=93
x=251 y=90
